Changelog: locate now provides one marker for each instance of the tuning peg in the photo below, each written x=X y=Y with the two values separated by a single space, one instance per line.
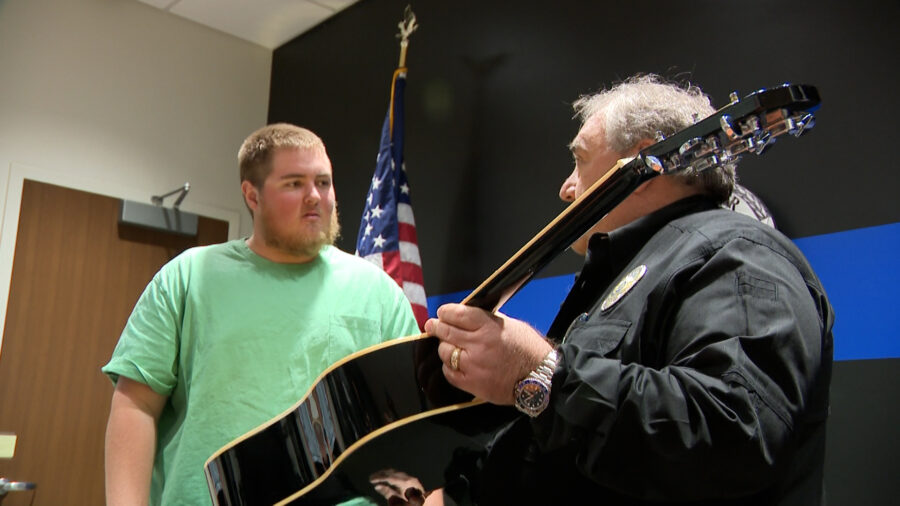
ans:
x=690 y=145
x=750 y=125
x=726 y=124
x=653 y=163
x=797 y=126
x=659 y=136
x=704 y=163
x=759 y=142
x=733 y=97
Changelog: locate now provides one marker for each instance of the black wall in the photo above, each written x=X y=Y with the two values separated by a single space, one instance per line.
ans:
x=489 y=117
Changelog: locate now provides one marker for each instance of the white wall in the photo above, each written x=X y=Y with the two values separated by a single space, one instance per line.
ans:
x=121 y=99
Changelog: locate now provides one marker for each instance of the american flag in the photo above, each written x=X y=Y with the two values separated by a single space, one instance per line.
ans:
x=387 y=231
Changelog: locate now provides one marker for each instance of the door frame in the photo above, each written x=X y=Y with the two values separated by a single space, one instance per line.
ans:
x=11 y=185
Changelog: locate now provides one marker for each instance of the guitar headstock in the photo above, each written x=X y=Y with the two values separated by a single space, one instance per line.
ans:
x=748 y=125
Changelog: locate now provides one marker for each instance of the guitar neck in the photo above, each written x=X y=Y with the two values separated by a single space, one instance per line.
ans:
x=572 y=223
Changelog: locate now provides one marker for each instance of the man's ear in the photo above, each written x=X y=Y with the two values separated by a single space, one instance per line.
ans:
x=251 y=195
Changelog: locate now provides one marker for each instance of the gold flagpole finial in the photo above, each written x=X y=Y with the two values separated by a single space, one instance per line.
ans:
x=407 y=27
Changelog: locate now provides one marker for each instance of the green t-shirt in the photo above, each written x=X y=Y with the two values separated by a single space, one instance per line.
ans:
x=234 y=340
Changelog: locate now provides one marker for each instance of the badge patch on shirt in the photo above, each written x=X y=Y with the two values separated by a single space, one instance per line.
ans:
x=624 y=286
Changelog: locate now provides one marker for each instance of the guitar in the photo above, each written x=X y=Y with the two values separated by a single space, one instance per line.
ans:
x=388 y=407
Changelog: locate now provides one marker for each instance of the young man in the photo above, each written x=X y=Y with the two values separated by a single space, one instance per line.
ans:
x=226 y=337
x=689 y=364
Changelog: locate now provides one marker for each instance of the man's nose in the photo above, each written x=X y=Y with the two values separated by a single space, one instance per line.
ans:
x=313 y=195
x=567 y=190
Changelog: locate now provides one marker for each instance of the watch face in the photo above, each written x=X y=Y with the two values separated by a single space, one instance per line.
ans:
x=532 y=395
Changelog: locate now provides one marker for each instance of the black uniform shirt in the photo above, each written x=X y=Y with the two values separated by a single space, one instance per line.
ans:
x=702 y=380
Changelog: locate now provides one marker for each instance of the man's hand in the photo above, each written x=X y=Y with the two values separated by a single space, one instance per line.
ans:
x=495 y=351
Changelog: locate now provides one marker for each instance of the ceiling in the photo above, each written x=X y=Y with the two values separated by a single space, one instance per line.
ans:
x=269 y=23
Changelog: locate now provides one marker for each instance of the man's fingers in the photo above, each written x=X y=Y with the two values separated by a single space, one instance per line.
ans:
x=463 y=317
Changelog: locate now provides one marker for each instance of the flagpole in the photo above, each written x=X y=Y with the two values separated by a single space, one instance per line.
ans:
x=387 y=229
x=407 y=27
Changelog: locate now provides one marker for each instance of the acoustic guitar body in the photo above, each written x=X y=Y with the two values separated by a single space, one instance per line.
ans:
x=382 y=410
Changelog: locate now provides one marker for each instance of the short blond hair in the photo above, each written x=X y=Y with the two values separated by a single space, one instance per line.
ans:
x=255 y=155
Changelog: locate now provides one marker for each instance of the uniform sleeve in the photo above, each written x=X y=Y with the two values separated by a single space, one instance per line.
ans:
x=727 y=373
x=147 y=350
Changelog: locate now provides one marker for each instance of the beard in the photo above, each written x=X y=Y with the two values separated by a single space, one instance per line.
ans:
x=301 y=243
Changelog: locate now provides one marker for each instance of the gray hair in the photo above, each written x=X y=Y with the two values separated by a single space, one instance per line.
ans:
x=642 y=105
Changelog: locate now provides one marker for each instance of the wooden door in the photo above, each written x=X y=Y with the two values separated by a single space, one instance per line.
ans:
x=76 y=276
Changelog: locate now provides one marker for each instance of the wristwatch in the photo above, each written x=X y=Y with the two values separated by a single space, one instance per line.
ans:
x=533 y=392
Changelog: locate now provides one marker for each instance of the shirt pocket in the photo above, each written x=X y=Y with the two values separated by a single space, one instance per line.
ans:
x=602 y=336
x=348 y=334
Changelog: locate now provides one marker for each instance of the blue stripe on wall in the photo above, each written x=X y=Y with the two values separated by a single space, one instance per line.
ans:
x=860 y=270
x=536 y=303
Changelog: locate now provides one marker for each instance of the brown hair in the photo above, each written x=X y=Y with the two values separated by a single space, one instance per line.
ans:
x=255 y=155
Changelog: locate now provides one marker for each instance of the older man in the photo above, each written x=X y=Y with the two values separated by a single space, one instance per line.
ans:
x=691 y=361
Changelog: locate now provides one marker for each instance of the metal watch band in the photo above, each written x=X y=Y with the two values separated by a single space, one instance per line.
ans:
x=544 y=371
x=532 y=393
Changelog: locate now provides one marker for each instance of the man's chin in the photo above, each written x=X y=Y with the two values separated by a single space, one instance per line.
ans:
x=301 y=247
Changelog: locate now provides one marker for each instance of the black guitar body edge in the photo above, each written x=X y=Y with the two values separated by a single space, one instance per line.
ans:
x=387 y=410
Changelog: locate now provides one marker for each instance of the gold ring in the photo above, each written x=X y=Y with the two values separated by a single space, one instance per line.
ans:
x=454 y=358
